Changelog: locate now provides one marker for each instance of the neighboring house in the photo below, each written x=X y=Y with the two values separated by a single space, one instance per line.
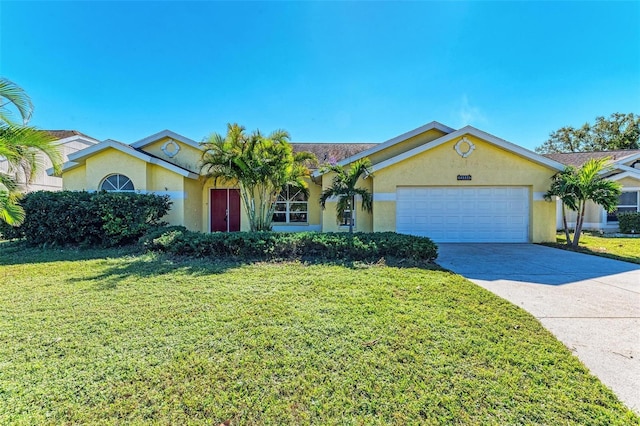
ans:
x=451 y=185
x=624 y=168
x=68 y=142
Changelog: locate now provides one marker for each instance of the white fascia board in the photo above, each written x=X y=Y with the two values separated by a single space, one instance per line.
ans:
x=631 y=174
x=469 y=130
x=65 y=166
x=83 y=153
x=403 y=137
x=628 y=169
x=78 y=157
x=165 y=134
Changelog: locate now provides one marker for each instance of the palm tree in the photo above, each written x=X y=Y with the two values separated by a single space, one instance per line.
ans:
x=261 y=166
x=576 y=187
x=21 y=147
x=344 y=188
x=562 y=186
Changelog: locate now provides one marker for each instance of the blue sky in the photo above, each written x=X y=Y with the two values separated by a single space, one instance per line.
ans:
x=324 y=71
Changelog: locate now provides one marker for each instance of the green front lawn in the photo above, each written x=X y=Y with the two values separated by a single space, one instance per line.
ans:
x=109 y=337
x=621 y=248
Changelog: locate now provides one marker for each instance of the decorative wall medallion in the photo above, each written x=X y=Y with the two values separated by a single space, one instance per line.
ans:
x=170 y=148
x=464 y=147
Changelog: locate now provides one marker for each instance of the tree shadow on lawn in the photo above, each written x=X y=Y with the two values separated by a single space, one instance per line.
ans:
x=149 y=265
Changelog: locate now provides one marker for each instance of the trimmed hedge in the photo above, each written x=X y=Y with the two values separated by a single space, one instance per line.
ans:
x=629 y=222
x=105 y=219
x=280 y=245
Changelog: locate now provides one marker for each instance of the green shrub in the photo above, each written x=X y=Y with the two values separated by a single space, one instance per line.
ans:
x=277 y=245
x=629 y=222
x=88 y=218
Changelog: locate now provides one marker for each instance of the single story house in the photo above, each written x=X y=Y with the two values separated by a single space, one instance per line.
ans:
x=452 y=185
x=624 y=167
x=68 y=142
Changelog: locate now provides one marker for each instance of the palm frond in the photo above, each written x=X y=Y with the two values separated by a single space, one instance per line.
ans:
x=12 y=94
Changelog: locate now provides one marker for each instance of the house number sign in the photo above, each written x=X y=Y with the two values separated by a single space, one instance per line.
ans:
x=464 y=177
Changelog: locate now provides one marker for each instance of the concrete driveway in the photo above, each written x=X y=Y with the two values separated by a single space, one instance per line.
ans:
x=591 y=304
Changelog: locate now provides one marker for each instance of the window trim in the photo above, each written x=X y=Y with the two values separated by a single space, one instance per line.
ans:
x=119 y=189
x=345 y=224
x=636 y=206
x=288 y=194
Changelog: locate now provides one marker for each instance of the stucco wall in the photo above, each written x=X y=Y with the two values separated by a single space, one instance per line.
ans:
x=75 y=179
x=488 y=165
x=193 y=205
x=629 y=182
x=187 y=157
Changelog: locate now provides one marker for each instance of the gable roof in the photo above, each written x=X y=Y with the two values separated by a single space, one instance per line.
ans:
x=398 y=139
x=165 y=134
x=64 y=136
x=451 y=135
x=332 y=152
x=577 y=159
x=79 y=158
x=470 y=130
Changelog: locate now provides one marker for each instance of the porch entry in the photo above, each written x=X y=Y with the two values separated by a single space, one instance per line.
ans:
x=225 y=210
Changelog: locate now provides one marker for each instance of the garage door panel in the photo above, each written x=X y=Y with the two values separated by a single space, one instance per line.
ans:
x=470 y=214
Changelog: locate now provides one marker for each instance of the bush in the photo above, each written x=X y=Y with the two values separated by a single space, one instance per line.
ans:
x=105 y=219
x=276 y=245
x=629 y=222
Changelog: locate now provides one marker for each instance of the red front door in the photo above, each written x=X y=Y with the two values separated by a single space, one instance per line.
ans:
x=225 y=210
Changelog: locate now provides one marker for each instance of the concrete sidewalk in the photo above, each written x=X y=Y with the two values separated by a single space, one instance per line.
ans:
x=591 y=304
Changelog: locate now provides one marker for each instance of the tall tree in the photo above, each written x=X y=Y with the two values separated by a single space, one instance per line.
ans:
x=22 y=148
x=260 y=165
x=576 y=187
x=344 y=188
x=619 y=131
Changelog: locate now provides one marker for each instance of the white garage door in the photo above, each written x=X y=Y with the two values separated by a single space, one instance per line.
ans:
x=469 y=214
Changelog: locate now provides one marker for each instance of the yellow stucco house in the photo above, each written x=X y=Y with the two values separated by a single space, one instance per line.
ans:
x=451 y=185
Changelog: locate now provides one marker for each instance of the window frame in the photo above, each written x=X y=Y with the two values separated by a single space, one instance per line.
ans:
x=344 y=223
x=287 y=198
x=119 y=187
x=610 y=216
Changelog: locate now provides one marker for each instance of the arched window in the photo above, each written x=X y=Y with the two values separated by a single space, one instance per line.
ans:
x=117 y=183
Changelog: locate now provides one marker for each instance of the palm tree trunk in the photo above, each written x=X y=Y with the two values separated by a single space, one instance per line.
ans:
x=579 y=221
x=352 y=205
x=566 y=226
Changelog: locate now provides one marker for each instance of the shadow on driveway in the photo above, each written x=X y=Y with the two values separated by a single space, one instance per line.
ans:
x=533 y=264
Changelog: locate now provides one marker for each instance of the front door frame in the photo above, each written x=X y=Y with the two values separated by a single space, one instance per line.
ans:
x=228 y=222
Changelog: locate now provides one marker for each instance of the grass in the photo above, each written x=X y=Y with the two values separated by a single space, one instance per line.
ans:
x=111 y=337
x=620 y=248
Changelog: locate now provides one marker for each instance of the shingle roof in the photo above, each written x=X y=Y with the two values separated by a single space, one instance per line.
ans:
x=332 y=152
x=579 y=158
x=62 y=134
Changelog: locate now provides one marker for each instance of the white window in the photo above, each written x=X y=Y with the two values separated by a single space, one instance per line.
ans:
x=117 y=183
x=628 y=202
x=346 y=218
x=291 y=206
